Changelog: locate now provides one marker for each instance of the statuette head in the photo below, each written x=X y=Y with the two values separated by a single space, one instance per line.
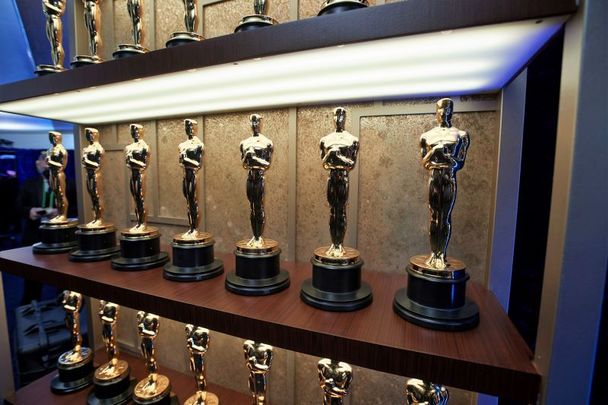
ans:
x=72 y=301
x=445 y=107
x=190 y=126
x=91 y=134
x=340 y=118
x=55 y=138
x=137 y=131
x=256 y=123
x=197 y=338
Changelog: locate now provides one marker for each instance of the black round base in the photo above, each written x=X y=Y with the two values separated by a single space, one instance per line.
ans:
x=181 y=40
x=67 y=387
x=118 y=393
x=139 y=253
x=253 y=25
x=336 y=287
x=95 y=245
x=257 y=274
x=85 y=60
x=198 y=273
x=457 y=319
x=43 y=70
x=128 y=50
x=340 y=8
x=56 y=238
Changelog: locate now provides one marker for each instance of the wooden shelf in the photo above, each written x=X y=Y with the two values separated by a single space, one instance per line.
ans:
x=492 y=359
x=379 y=22
x=39 y=392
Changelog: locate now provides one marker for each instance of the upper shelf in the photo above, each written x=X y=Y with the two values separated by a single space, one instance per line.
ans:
x=492 y=358
x=411 y=48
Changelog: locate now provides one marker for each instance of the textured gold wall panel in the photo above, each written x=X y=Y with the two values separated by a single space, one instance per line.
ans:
x=170 y=135
x=225 y=178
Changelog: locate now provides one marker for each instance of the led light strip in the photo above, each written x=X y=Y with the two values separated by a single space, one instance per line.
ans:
x=465 y=61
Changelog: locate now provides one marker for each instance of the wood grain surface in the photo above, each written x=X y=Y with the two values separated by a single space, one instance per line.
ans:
x=492 y=358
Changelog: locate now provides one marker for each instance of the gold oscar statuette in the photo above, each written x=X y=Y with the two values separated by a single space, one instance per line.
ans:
x=92 y=22
x=135 y=9
x=76 y=365
x=190 y=23
x=258 y=357
x=336 y=284
x=258 y=270
x=155 y=387
x=57 y=234
x=335 y=378
x=436 y=293
x=96 y=239
x=53 y=10
x=197 y=341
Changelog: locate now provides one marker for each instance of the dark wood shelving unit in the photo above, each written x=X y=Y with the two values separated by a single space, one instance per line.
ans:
x=39 y=392
x=373 y=23
x=492 y=358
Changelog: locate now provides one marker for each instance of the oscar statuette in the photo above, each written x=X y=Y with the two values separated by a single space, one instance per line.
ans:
x=191 y=22
x=92 y=20
x=418 y=392
x=135 y=8
x=197 y=341
x=155 y=389
x=258 y=357
x=193 y=257
x=113 y=385
x=53 y=10
x=140 y=244
x=340 y=6
x=58 y=234
x=75 y=366
x=257 y=20
x=258 y=268
x=435 y=296
x=96 y=239
x=336 y=270
x=335 y=378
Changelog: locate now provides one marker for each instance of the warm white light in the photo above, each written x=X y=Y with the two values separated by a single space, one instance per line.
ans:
x=464 y=61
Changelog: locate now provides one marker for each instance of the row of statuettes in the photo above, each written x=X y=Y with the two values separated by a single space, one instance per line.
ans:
x=54 y=10
x=113 y=384
x=436 y=293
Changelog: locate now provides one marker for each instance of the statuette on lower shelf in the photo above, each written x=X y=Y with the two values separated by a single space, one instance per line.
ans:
x=258 y=357
x=113 y=384
x=96 y=239
x=135 y=9
x=140 y=244
x=155 y=388
x=193 y=255
x=197 y=341
x=75 y=366
x=53 y=11
x=258 y=270
x=92 y=20
x=435 y=296
x=257 y=20
x=58 y=234
x=336 y=270
x=335 y=378
x=190 y=22
x=424 y=393
x=340 y=6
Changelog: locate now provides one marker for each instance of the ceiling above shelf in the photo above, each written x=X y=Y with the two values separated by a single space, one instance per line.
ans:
x=306 y=62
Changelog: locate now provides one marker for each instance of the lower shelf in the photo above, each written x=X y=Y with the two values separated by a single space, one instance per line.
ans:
x=39 y=392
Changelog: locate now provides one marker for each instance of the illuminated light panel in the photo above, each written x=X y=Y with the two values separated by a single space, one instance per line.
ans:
x=464 y=61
